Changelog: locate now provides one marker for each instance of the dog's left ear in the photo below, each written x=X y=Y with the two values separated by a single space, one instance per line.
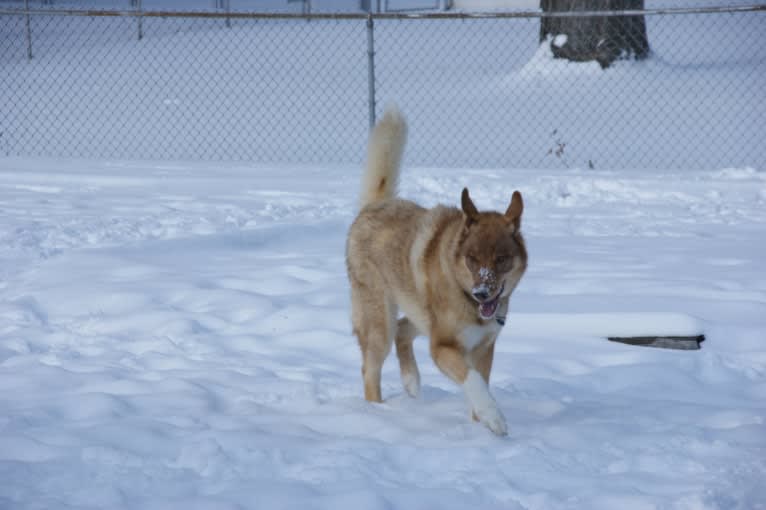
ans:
x=471 y=213
x=516 y=207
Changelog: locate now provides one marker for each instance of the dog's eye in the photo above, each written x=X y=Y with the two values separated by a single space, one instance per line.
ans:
x=502 y=260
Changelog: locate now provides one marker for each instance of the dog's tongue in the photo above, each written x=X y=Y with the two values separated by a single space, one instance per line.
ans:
x=487 y=309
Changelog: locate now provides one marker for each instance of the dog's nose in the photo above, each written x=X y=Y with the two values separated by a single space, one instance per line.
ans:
x=481 y=295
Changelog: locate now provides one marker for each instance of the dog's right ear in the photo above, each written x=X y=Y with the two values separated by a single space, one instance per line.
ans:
x=471 y=213
x=515 y=208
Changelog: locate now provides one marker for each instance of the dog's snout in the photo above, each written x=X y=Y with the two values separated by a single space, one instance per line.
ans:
x=481 y=294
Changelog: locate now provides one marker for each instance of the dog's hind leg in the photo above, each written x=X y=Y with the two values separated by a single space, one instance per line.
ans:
x=405 y=334
x=374 y=321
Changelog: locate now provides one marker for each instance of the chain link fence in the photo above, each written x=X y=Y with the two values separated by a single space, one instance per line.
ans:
x=485 y=91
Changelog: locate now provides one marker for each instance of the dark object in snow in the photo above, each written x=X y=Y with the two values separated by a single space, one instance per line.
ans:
x=685 y=343
x=600 y=38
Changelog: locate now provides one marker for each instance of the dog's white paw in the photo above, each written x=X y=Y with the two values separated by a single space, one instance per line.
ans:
x=493 y=419
x=411 y=383
x=484 y=406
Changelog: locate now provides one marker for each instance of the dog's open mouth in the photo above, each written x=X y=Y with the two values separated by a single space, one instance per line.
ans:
x=488 y=308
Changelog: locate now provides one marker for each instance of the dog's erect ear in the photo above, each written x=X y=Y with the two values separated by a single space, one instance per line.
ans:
x=469 y=209
x=516 y=207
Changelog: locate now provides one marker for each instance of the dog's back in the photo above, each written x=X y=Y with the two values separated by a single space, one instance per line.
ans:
x=378 y=258
x=380 y=237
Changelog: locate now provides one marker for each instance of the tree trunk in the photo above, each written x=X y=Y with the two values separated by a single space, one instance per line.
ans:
x=600 y=38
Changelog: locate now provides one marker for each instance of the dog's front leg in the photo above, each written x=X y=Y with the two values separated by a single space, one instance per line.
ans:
x=481 y=359
x=450 y=360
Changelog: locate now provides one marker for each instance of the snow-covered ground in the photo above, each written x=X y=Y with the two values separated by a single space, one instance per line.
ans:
x=176 y=335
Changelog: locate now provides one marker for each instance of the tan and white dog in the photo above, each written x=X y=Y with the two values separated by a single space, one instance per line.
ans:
x=449 y=271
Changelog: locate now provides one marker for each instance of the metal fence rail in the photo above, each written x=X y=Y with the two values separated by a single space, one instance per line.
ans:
x=480 y=90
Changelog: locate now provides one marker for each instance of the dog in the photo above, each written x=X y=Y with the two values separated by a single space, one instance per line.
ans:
x=449 y=271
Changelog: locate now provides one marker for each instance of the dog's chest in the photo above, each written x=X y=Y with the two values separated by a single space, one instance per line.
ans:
x=475 y=335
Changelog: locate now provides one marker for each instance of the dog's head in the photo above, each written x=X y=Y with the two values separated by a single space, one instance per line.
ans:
x=491 y=253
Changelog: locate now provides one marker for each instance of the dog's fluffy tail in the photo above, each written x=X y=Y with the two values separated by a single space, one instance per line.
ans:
x=384 y=157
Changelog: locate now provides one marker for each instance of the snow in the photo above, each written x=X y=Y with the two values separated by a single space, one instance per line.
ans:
x=607 y=324
x=176 y=334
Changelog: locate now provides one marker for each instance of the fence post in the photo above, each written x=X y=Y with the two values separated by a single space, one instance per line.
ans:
x=29 y=32
x=371 y=69
x=137 y=5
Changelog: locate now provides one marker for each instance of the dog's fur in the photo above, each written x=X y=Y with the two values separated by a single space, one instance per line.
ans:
x=437 y=266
